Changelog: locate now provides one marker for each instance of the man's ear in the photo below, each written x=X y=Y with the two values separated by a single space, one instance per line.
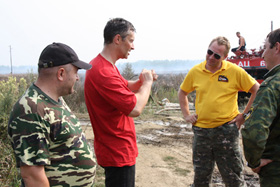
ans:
x=117 y=39
x=277 y=47
x=60 y=74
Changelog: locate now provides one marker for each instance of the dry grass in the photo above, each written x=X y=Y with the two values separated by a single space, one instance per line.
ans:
x=9 y=174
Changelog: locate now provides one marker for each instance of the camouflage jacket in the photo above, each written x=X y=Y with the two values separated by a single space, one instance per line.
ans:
x=261 y=132
x=46 y=132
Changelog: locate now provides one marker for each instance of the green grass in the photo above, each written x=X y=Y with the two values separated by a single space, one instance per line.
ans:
x=173 y=164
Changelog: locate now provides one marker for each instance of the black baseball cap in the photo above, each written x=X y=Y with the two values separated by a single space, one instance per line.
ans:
x=57 y=54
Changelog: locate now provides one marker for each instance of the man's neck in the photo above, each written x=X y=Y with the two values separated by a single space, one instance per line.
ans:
x=213 y=69
x=109 y=55
x=47 y=89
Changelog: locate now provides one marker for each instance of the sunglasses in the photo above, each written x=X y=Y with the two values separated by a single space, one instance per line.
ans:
x=217 y=56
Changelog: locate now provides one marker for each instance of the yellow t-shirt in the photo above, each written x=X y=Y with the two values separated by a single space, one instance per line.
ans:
x=216 y=93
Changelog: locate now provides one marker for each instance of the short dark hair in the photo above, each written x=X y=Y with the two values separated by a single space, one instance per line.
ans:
x=117 y=26
x=274 y=37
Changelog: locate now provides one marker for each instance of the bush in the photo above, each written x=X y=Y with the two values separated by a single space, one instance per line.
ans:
x=10 y=91
x=9 y=174
x=76 y=101
x=167 y=87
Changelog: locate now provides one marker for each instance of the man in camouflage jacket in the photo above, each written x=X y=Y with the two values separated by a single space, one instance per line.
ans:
x=49 y=145
x=261 y=134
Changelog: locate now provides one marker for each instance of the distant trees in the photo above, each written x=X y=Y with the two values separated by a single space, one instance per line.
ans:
x=166 y=86
x=128 y=72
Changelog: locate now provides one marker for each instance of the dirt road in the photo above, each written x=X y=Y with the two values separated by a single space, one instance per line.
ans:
x=165 y=154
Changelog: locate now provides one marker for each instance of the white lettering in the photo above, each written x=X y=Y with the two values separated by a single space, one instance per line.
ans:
x=240 y=64
x=244 y=64
x=248 y=63
x=262 y=63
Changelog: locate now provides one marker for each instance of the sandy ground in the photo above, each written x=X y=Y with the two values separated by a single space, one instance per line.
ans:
x=165 y=154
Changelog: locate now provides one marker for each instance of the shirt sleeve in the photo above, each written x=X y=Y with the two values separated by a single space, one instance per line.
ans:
x=256 y=128
x=113 y=87
x=187 y=84
x=246 y=81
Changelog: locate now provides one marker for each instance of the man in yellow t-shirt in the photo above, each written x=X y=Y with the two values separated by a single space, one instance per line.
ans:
x=217 y=120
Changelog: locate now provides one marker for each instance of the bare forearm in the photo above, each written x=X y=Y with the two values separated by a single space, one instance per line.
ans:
x=142 y=96
x=29 y=182
x=134 y=85
x=250 y=102
x=253 y=92
x=184 y=103
x=34 y=176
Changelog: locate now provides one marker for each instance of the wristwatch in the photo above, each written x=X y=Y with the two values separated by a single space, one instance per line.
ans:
x=246 y=115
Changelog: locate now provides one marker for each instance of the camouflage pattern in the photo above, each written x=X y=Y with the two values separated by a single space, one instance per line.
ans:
x=220 y=145
x=261 y=132
x=44 y=132
x=269 y=175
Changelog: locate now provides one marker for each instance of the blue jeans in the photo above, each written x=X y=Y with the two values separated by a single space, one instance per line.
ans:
x=120 y=176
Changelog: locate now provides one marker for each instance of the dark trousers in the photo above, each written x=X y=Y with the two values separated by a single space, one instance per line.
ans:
x=241 y=49
x=270 y=175
x=120 y=176
x=218 y=145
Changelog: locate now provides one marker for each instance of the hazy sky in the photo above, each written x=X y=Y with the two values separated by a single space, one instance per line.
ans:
x=166 y=29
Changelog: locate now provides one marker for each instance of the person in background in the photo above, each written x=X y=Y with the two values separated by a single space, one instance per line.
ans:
x=217 y=120
x=242 y=43
x=261 y=132
x=48 y=142
x=112 y=101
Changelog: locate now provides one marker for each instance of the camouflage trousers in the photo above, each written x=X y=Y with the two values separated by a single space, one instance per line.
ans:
x=270 y=175
x=220 y=145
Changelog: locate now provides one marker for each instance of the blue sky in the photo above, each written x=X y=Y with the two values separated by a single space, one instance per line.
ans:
x=177 y=29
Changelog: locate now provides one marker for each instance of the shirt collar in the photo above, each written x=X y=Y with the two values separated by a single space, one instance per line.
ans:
x=224 y=66
x=272 y=71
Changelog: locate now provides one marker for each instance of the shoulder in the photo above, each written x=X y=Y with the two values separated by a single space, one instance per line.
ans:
x=33 y=102
x=272 y=81
x=100 y=64
x=27 y=104
x=230 y=64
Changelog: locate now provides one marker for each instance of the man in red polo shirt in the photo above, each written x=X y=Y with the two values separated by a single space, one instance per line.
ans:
x=112 y=101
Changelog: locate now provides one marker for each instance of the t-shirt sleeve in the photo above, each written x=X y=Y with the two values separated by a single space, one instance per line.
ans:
x=113 y=87
x=29 y=137
x=246 y=81
x=187 y=84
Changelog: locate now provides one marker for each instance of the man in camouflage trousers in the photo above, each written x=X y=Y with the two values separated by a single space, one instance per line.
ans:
x=217 y=120
x=48 y=142
x=261 y=132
